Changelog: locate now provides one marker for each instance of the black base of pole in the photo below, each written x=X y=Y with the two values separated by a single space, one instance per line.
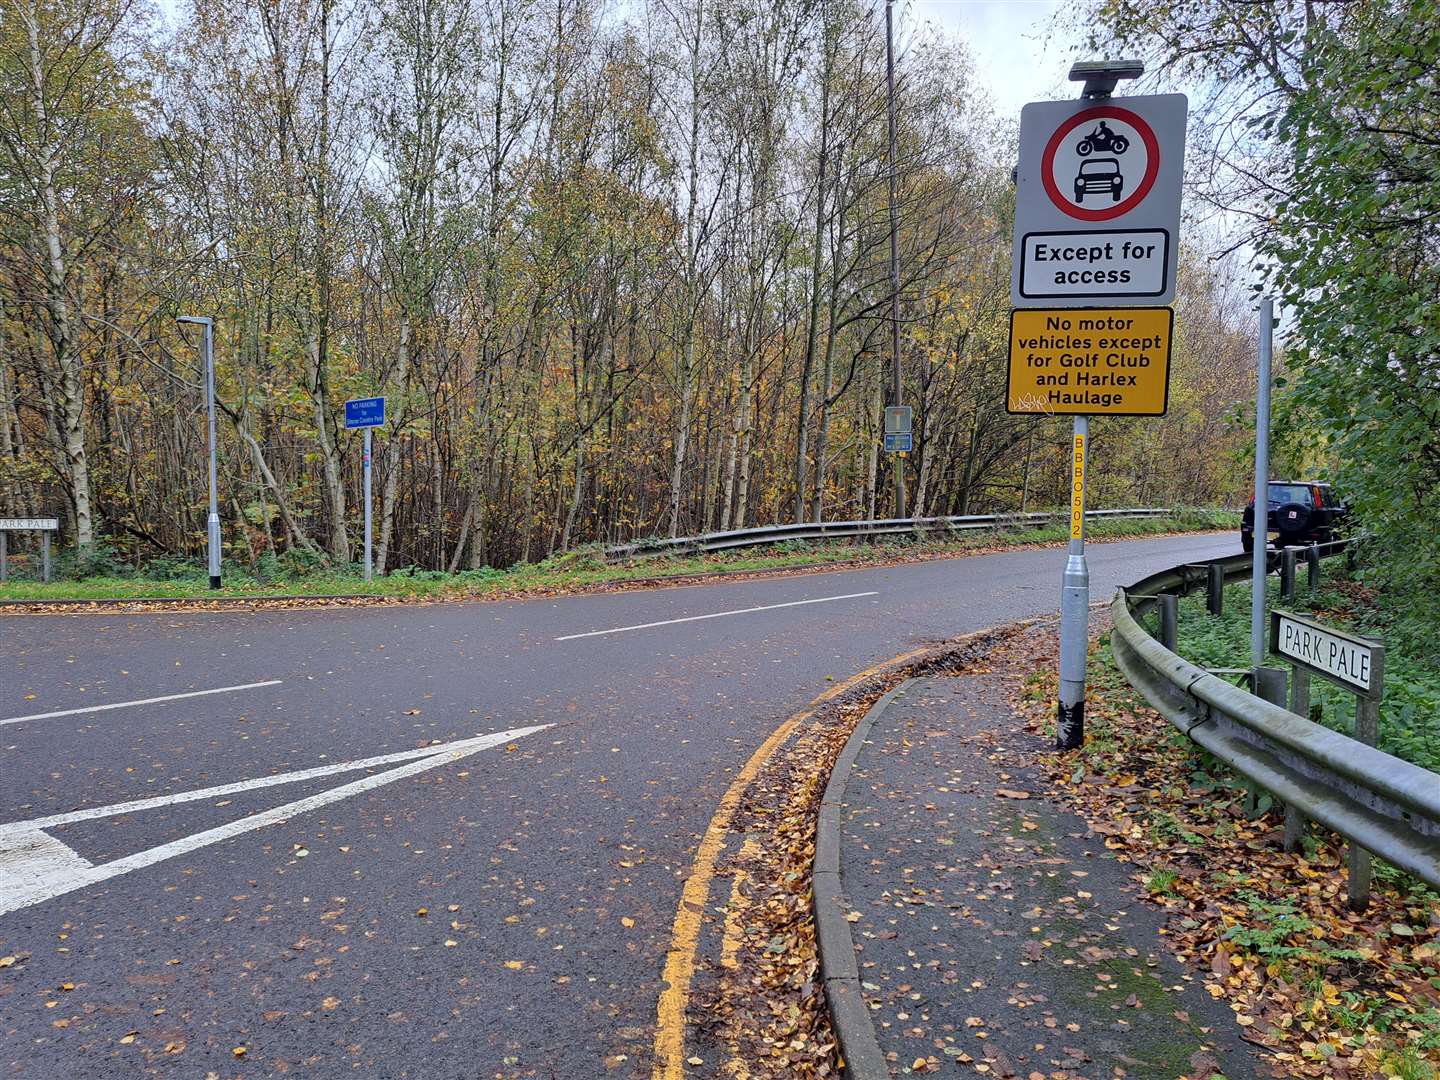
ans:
x=1070 y=727
x=214 y=581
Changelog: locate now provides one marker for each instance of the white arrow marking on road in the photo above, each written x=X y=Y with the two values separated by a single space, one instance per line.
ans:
x=35 y=867
x=142 y=701
x=716 y=615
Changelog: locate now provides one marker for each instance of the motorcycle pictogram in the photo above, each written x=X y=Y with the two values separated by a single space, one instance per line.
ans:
x=1103 y=139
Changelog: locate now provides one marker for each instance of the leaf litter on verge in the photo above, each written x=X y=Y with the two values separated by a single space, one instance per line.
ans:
x=1329 y=992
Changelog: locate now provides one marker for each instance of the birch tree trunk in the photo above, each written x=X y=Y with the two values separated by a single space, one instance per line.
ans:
x=686 y=375
x=57 y=301
x=326 y=429
x=7 y=441
x=392 y=464
x=802 y=424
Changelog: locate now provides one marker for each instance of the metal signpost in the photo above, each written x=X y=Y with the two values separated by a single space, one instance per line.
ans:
x=44 y=526
x=366 y=413
x=1097 y=217
x=1355 y=663
x=899 y=436
x=1258 y=558
x=212 y=521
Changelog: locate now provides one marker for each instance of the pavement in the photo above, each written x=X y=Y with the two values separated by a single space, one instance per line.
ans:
x=433 y=841
x=992 y=929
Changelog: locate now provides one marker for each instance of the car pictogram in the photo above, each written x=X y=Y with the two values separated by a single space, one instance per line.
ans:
x=1099 y=175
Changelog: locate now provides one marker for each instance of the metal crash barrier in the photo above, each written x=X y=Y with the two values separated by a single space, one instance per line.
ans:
x=1377 y=802
x=834 y=530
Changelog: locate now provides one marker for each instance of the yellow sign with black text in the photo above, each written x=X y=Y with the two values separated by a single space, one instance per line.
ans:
x=1090 y=361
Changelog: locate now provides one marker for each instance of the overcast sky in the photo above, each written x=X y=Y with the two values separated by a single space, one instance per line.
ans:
x=1008 y=40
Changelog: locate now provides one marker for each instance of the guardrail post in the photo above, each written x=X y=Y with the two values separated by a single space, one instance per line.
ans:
x=1300 y=692
x=1287 y=573
x=1312 y=566
x=1269 y=683
x=1295 y=821
x=1367 y=729
x=1169 y=605
x=1215 y=590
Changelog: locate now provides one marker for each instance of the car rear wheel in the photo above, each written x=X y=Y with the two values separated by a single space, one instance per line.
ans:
x=1293 y=519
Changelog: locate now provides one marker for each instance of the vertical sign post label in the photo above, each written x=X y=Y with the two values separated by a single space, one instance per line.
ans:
x=1077 y=489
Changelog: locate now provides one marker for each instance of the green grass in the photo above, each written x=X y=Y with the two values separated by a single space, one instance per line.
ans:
x=576 y=570
x=1410 y=711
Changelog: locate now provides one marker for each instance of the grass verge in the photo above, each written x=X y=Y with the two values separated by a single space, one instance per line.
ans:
x=580 y=569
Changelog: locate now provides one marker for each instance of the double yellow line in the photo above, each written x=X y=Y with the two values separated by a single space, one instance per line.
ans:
x=685 y=934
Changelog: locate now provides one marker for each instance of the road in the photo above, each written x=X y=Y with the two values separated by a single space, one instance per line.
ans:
x=493 y=896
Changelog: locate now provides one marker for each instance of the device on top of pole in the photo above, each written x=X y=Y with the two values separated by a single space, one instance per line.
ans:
x=1097 y=216
x=212 y=521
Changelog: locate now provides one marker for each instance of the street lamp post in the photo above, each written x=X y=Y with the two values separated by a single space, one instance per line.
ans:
x=212 y=523
x=896 y=388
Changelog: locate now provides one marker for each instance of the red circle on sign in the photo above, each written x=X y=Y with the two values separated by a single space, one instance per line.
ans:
x=1101 y=112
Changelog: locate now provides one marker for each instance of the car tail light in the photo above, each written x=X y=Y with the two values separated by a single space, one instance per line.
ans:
x=1250 y=501
x=1319 y=500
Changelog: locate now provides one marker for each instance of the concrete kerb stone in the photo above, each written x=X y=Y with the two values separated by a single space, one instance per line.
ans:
x=854 y=1029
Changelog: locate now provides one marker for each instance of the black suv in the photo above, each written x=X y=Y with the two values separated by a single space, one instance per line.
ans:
x=1302 y=512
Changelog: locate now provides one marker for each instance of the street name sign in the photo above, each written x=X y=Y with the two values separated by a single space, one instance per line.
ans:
x=1097 y=201
x=19 y=524
x=365 y=412
x=1352 y=662
x=1089 y=362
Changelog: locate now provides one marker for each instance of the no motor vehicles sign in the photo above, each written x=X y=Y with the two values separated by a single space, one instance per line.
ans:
x=1097 y=203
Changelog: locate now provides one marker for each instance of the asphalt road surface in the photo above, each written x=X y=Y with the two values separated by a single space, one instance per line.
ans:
x=244 y=862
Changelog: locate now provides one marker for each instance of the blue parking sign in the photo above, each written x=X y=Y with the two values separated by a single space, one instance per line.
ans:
x=365 y=412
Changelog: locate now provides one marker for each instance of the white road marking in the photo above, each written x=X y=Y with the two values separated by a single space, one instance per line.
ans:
x=141 y=701
x=35 y=867
x=716 y=615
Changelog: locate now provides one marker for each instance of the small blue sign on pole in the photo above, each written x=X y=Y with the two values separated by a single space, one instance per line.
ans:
x=899 y=442
x=365 y=412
